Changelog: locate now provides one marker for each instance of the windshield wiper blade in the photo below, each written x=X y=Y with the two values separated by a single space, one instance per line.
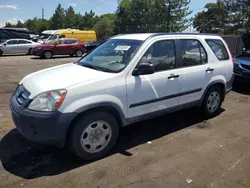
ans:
x=91 y=66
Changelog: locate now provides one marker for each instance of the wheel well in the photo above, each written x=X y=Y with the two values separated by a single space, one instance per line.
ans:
x=221 y=86
x=113 y=111
x=79 y=49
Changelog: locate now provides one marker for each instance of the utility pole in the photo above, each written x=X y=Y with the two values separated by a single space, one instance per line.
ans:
x=42 y=13
x=169 y=15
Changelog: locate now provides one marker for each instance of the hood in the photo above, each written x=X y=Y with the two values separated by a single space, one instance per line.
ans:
x=61 y=77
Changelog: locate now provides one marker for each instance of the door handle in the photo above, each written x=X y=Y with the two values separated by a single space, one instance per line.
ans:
x=209 y=70
x=173 y=76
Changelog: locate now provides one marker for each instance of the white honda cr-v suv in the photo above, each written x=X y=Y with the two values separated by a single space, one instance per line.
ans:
x=127 y=79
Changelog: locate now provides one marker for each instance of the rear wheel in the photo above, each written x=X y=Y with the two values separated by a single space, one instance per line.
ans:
x=213 y=101
x=29 y=53
x=47 y=54
x=79 y=53
x=94 y=136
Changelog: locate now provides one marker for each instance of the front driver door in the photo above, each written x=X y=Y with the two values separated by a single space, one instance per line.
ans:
x=61 y=47
x=152 y=93
x=10 y=47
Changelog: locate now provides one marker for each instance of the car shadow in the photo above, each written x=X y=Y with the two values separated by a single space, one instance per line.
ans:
x=13 y=55
x=241 y=87
x=29 y=160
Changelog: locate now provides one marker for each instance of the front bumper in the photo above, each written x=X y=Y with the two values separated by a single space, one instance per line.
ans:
x=241 y=74
x=41 y=127
x=36 y=52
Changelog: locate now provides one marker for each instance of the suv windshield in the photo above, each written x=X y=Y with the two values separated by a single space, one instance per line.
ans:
x=112 y=56
x=52 y=38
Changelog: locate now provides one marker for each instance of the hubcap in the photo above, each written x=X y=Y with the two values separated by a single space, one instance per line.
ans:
x=213 y=101
x=96 y=136
x=47 y=54
x=79 y=53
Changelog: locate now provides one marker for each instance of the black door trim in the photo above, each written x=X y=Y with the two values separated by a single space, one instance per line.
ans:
x=165 y=98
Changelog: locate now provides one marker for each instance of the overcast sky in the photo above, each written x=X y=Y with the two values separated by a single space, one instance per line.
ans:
x=13 y=10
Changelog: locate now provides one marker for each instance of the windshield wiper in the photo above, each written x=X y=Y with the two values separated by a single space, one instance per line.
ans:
x=91 y=66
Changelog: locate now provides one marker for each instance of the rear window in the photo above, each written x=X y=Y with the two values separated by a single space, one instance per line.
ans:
x=218 y=48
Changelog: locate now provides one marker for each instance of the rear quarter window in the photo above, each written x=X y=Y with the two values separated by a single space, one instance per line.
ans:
x=218 y=48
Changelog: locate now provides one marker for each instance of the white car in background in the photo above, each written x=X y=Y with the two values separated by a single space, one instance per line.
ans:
x=14 y=46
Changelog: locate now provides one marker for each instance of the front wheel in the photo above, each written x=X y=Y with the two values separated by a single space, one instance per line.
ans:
x=79 y=53
x=94 y=136
x=212 y=102
x=1 y=52
x=47 y=54
x=30 y=50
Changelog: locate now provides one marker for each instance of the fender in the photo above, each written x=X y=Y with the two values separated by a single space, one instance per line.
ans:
x=98 y=101
x=220 y=81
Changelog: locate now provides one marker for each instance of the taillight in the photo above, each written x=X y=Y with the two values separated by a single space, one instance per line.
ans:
x=230 y=53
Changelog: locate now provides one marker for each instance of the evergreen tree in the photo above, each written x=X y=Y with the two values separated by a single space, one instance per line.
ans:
x=57 y=20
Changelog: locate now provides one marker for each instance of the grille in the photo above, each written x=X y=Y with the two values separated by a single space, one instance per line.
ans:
x=21 y=94
x=245 y=66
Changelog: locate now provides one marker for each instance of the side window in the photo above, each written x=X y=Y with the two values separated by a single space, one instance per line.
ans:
x=58 y=42
x=12 y=42
x=66 y=42
x=218 y=48
x=162 y=55
x=192 y=52
x=23 y=42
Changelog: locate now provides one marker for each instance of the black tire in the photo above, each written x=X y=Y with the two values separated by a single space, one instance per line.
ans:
x=1 y=52
x=81 y=126
x=79 y=53
x=29 y=53
x=47 y=54
x=209 y=111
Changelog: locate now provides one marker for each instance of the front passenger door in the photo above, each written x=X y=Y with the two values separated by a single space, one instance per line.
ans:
x=148 y=94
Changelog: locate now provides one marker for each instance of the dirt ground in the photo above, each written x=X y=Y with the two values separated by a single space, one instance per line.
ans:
x=177 y=150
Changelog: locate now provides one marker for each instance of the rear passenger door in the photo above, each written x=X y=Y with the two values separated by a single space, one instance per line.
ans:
x=23 y=46
x=196 y=73
x=71 y=46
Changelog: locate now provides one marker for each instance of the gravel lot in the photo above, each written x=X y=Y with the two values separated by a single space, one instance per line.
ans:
x=177 y=150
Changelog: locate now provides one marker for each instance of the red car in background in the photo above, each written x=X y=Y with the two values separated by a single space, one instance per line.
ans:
x=65 y=46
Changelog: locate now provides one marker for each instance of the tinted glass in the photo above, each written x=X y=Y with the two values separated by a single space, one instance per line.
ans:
x=218 y=48
x=73 y=41
x=162 y=55
x=4 y=36
x=12 y=42
x=192 y=53
x=23 y=42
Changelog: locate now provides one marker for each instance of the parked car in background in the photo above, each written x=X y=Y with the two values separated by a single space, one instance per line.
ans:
x=81 y=35
x=15 y=46
x=90 y=45
x=64 y=46
x=242 y=67
x=127 y=79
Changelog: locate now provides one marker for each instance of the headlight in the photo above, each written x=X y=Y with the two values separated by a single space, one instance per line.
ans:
x=48 y=101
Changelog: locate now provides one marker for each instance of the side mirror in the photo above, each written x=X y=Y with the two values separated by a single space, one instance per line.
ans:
x=144 y=69
x=4 y=44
